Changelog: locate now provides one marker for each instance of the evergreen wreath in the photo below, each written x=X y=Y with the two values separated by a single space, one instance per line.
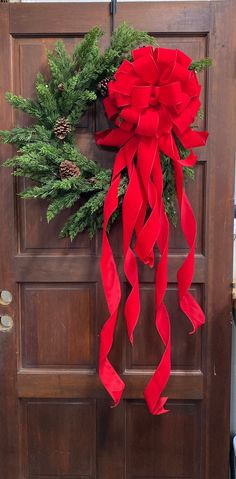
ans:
x=46 y=151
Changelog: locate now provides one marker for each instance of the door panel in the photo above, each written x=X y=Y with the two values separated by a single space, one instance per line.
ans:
x=56 y=419
x=50 y=339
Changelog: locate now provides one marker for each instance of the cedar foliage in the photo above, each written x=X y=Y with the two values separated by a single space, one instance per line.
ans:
x=69 y=91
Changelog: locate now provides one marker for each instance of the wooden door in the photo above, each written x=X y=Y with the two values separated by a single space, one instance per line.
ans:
x=55 y=416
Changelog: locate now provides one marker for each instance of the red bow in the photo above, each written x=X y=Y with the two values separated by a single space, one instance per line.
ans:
x=153 y=100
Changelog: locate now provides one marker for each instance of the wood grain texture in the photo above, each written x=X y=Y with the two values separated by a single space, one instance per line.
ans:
x=58 y=325
x=38 y=383
x=145 y=460
x=9 y=432
x=219 y=206
x=165 y=19
x=60 y=437
x=53 y=407
x=77 y=19
x=83 y=268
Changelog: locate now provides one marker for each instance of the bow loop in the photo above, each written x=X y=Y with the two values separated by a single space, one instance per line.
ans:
x=170 y=94
x=141 y=96
x=148 y=123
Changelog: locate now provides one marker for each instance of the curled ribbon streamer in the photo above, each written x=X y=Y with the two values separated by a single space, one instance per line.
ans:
x=153 y=100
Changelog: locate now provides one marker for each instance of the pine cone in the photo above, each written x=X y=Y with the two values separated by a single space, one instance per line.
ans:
x=61 y=87
x=62 y=128
x=92 y=180
x=68 y=169
x=103 y=86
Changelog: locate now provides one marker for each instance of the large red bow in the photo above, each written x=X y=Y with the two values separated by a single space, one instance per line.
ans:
x=153 y=100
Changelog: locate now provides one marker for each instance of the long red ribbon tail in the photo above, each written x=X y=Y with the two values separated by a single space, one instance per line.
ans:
x=140 y=187
x=185 y=273
x=160 y=378
x=188 y=223
x=111 y=284
x=132 y=205
x=147 y=235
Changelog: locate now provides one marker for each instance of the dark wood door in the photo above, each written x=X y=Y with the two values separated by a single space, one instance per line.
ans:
x=55 y=416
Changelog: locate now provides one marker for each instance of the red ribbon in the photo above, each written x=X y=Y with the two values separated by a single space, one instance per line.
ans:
x=153 y=100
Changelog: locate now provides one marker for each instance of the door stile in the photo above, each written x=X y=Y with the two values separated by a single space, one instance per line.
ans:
x=9 y=432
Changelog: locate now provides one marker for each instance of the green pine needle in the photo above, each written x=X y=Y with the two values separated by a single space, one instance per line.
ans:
x=200 y=65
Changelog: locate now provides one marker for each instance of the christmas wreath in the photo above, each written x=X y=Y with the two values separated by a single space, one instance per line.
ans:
x=152 y=95
x=47 y=152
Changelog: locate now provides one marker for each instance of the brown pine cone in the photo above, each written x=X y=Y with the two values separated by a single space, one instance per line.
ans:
x=62 y=128
x=103 y=86
x=61 y=87
x=92 y=180
x=68 y=169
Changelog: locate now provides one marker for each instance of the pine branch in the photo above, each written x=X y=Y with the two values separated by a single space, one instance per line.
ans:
x=86 y=217
x=52 y=152
x=123 y=40
x=200 y=65
x=87 y=50
x=24 y=104
x=90 y=215
x=42 y=192
x=17 y=136
x=200 y=114
x=60 y=203
x=11 y=162
x=31 y=163
x=78 y=104
x=60 y=63
x=46 y=101
x=86 y=166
